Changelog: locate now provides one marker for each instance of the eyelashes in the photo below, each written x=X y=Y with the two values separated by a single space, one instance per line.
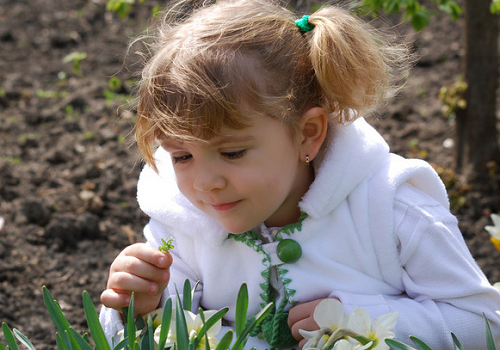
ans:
x=228 y=155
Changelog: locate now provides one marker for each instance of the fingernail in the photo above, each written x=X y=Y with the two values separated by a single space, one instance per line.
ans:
x=161 y=261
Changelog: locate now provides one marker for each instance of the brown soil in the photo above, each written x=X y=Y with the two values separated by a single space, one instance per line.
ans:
x=68 y=174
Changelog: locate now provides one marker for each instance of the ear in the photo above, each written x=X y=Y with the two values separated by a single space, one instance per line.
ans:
x=313 y=127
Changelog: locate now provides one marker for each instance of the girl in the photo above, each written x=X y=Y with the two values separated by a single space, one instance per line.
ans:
x=267 y=174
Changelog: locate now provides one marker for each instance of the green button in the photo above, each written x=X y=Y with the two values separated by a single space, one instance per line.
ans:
x=289 y=251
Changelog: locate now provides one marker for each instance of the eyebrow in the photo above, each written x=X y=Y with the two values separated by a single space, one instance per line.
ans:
x=231 y=138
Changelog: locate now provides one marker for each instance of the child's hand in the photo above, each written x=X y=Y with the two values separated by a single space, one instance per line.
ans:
x=302 y=317
x=141 y=269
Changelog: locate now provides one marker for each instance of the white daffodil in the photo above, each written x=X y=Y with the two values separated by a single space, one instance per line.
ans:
x=377 y=330
x=494 y=231
x=330 y=316
x=194 y=326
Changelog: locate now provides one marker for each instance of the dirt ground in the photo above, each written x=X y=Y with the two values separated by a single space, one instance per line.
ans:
x=68 y=172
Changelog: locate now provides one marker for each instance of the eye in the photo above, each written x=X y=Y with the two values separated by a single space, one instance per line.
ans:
x=181 y=159
x=234 y=155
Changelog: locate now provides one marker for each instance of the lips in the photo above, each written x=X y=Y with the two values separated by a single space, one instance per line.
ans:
x=225 y=206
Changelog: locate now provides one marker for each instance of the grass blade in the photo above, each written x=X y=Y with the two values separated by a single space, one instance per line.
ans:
x=84 y=345
x=23 y=339
x=93 y=322
x=60 y=342
x=210 y=322
x=55 y=311
x=419 y=343
x=165 y=323
x=151 y=334
x=456 y=342
x=251 y=323
x=490 y=342
x=241 y=309
x=187 y=299
x=2 y=347
x=9 y=337
x=182 y=333
x=397 y=345
x=130 y=329
x=225 y=342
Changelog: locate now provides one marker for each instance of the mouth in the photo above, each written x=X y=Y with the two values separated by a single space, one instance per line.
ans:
x=225 y=206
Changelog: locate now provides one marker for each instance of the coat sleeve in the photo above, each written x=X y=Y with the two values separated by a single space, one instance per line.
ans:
x=444 y=290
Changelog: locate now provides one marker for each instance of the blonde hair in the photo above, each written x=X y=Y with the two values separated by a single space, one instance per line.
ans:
x=219 y=64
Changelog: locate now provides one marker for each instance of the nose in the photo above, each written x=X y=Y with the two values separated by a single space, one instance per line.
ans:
x=209 y=177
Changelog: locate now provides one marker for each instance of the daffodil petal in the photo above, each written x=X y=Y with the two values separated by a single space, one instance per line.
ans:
x=496 y=220
x=360 y=321
x=493 y=231
x=329 y=313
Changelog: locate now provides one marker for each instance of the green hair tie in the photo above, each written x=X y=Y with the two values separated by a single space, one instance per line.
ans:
x=303 y=24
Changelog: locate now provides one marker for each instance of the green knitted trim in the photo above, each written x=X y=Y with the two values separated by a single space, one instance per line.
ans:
x=251 y=238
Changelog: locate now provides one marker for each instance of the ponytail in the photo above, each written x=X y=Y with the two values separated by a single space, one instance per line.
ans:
x=356 y=68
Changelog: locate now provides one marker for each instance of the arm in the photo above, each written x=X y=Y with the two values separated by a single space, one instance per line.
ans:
x=444 y=289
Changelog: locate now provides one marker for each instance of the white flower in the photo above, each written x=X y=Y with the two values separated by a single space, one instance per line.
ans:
x=194 y=326
x=494 y=230
x=377 y=330
x=330 y=316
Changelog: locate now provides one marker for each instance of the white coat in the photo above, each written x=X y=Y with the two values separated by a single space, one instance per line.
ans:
x=378 y=234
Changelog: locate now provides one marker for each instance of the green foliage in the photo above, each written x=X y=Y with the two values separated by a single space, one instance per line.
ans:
x=495 y=7
x=138 y=332
x=453 y=98
x=76 y=57
x=121 y=7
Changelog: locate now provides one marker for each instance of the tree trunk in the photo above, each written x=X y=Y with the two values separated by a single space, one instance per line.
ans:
x=476 y=133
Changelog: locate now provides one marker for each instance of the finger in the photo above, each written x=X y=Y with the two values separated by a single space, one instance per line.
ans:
x=302 y=343
x=307 y=324
x=301 y=311
x=140 y=268
x=115 y=299
x=149 y=254
x=132 y=283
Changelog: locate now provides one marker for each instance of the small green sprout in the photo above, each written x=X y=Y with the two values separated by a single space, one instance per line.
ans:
x=167 y=245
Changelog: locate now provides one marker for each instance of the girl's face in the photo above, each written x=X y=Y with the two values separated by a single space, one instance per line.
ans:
x=244 y=177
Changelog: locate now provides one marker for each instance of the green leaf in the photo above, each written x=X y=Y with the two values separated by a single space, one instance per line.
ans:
x=165 y=323
x=181 y=326
x=210 y=322
x=58 y=318
x=149 y=344
x=225 y=341
x=84 y=345
x=93 y=322
x=2 y=347
x=456 y=342
x=495 y=7
x=241 y=308
x=9 y=337
x=490 y=342
x=60 y=342
x=23 y=339
x=251 y=323
x=187 y=296
x=392 y=6
x=397 y=345
x=55 y=312
x=419 y=343
x=130 y=325
x=420 y=19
